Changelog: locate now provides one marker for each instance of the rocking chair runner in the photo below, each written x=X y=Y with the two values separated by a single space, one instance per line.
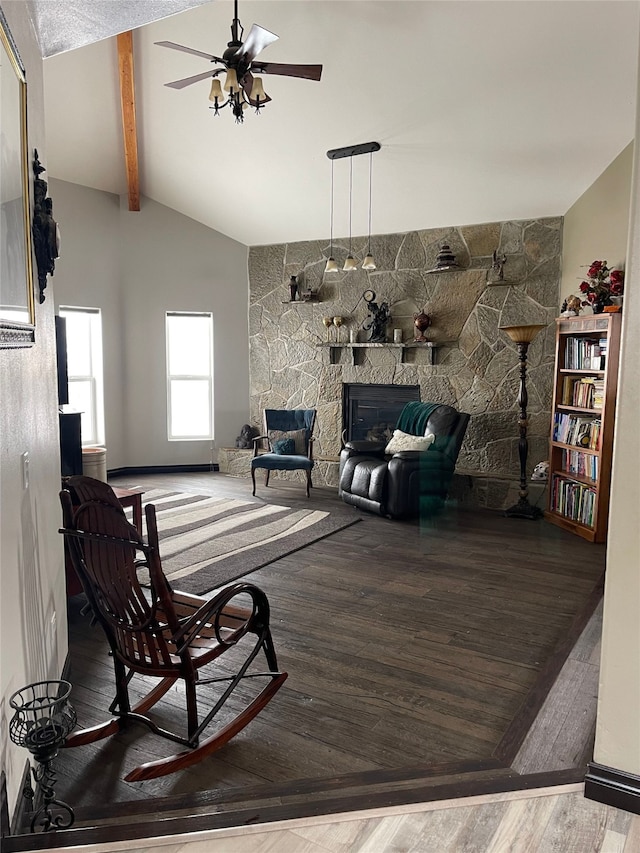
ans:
x=157 y=631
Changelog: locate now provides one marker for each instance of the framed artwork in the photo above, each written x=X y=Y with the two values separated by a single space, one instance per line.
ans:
x=17 y=311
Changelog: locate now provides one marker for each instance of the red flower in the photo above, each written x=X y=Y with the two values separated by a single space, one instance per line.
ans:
x=616 y=277
x=584 y=287
x=616 y=288
x=591 y=296
x=595 y=268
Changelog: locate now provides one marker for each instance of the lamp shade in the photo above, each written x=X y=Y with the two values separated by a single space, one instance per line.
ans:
x=331 y=266
x=257 y=89
x=216 y=90
x=523 y=334
x=231 y=81
x=350 y=264
x=368 y=263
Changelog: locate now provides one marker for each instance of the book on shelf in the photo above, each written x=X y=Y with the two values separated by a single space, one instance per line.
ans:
x=577 y=430
x=583 y=464
x=585 y=353
x=574 y=500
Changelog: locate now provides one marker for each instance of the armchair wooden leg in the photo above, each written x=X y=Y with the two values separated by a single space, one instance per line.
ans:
x=308 y=482
x=253 y=478
x=266 y=477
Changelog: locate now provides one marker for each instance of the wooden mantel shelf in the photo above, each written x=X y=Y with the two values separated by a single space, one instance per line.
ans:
x=334 y=348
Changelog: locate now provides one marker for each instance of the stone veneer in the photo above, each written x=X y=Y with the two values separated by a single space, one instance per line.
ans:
x=475 y=364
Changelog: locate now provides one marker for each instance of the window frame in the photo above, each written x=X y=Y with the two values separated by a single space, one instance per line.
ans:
x=186 y=377
x=95 y=377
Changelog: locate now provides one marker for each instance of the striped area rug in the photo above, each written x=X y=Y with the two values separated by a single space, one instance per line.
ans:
x=206 y=542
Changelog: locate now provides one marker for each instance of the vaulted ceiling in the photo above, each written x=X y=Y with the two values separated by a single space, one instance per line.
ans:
x=484 y=110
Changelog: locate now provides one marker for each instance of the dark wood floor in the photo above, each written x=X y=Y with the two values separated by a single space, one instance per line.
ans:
x=413 y=649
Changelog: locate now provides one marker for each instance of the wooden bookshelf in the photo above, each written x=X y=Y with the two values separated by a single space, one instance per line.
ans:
x=583 y=414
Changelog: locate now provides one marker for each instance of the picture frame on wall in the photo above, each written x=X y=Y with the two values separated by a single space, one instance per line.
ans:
x=17 y=308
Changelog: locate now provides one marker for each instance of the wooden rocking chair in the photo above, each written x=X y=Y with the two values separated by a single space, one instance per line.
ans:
x=157 y=631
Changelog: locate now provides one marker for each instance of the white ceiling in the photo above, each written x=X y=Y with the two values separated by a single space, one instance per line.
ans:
x=485 y=111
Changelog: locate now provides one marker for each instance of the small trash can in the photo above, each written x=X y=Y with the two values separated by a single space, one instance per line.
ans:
x=94 y=463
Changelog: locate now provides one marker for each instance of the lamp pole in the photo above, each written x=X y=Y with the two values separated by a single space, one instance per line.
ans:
x=522 y=336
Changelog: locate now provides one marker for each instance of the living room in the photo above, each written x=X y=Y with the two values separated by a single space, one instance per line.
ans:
x=127 y=264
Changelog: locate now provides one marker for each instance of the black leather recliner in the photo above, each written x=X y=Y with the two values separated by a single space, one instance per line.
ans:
x=411 y=482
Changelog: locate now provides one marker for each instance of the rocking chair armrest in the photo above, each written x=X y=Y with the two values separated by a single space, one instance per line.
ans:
x=212 y=611
x=102 y=537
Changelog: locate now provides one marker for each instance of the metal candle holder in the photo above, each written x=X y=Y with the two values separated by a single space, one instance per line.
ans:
x=522 y=336
x=43 y=719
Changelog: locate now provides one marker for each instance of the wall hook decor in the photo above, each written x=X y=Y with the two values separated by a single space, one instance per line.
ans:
x=46 y=235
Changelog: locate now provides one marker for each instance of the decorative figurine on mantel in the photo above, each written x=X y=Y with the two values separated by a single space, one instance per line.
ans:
x=446 y=260
x=421 y=321
x=293 y=288
x=496 y=273
x=379 y=316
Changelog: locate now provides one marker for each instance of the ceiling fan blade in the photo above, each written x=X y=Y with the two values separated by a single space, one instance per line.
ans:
x=175 y=46
x=247 y=85
x=187 y=81
x=309 y=72
x=257 y=40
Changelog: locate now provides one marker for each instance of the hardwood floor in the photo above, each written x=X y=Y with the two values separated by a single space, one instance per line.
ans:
x=419 y=656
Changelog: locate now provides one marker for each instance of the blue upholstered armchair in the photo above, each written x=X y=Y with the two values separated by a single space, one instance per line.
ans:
x=288 y=437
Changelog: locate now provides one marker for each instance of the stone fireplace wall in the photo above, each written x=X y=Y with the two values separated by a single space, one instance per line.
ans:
x=475 y=365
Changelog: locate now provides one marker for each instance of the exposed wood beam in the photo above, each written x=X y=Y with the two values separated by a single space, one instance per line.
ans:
x=128 y=102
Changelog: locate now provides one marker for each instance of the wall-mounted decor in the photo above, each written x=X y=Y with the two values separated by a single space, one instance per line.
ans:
x=46 y=235
x=17 y=312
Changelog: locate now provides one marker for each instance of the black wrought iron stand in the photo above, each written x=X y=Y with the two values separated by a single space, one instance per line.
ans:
x=43 y=719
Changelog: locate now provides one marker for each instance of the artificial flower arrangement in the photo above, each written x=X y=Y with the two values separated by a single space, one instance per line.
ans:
x=601 y=284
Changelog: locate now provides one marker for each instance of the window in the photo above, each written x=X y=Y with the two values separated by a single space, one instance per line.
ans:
x=189 y=376
x=84 y=366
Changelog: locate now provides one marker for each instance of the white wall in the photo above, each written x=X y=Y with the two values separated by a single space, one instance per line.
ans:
x=596 y=226
x=618 y=724
x=32 y=586
x=88 y=275
x=135 y=266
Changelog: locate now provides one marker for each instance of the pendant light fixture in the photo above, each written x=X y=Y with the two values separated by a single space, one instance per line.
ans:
x=331 y=266
x=352 y=151
x=369 y=263
x=350 y=262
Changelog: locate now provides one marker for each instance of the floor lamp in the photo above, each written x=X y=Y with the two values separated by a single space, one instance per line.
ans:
x=522 y=336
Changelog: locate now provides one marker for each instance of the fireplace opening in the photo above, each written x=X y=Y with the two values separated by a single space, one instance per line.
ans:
x=370 y=412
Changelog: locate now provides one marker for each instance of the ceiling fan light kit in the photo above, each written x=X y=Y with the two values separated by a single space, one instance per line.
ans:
x=352 y=151
x=239 y=61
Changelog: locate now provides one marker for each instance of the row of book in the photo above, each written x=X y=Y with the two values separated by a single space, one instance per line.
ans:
x=573 y=429
x=586 y=393
x=573 y=500
x=585 y=353
x=584 y=464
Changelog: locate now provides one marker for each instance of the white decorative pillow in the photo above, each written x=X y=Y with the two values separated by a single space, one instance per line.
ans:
x=403 y=441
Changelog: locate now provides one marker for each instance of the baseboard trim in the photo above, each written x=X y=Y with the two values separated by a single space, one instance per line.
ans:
x=613 y=787
x=163 y=469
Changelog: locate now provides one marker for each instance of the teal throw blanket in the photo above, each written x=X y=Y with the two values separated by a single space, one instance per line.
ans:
x=413 y=418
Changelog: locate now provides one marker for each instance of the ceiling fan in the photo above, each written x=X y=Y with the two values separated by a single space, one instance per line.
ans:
x=241 y=88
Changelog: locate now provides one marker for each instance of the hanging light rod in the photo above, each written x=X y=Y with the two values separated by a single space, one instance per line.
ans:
x=353 y=150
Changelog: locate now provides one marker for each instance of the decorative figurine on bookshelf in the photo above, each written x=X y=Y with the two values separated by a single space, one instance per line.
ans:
x=571 y=306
